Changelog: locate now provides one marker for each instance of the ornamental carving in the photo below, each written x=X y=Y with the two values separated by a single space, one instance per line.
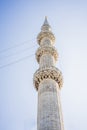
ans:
x=51 y=73
x=49 y=50
x=48 y=34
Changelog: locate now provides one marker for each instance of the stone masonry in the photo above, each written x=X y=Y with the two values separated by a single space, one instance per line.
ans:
x=48 y=82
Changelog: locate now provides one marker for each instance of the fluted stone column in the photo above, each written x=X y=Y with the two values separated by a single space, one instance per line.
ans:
x=48 y=81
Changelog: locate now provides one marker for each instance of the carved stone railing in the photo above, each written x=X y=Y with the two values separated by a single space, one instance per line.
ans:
x=46 y=49
x=48 y=34
x=45 y=73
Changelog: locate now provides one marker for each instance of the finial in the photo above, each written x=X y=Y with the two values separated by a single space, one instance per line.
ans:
x=46 y=21
x=46 y=26
x=45 y=17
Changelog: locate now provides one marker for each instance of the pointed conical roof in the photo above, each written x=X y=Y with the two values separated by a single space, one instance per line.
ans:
x=45 y=32
x=46 y=26
x=46 y=21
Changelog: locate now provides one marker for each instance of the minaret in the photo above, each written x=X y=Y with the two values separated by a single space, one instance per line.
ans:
x=48 y=82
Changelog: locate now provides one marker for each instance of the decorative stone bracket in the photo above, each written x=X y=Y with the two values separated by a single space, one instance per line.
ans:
x=48 y=49
x=48 y=34
x=52 y=73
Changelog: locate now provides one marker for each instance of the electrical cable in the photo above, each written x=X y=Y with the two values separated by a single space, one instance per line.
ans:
x=15 y=46
x=19 y=52
x=16 y=61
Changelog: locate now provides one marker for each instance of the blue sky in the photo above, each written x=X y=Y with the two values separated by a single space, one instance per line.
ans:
x=20 y=23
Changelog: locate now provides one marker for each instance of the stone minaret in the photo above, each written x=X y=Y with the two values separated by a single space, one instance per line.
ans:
x=48 y=82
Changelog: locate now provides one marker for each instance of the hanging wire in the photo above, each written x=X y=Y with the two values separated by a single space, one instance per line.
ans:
x=16 y=61
x=16 y=53
x=15 y=46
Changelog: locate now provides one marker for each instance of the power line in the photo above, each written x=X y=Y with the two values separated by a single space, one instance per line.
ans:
x=10 y=55
x=16 y=61
x=15 y=46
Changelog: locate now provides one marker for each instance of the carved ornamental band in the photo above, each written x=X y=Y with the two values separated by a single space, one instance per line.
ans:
x=41 y=35
x=52 y=73
x=48 y=49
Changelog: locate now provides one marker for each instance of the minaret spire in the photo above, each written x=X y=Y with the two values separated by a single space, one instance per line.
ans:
x=46 y=26
x=48 y=82
x=46 y=21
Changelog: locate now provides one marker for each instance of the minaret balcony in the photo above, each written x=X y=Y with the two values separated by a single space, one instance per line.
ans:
x=47 y=34
x=45 y=73
x=46 y=50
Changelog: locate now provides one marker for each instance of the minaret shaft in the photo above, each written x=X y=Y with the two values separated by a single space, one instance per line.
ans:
x=48 y=81
x=49 y=111
x=47 y=61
